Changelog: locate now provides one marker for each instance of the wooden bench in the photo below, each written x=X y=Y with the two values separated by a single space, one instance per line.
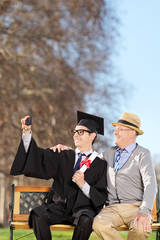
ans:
x=25 y=198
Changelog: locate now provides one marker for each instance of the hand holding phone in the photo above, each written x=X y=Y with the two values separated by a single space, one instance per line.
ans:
x=29 y=121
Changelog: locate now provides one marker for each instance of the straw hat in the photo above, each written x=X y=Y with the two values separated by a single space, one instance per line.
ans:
x=130 y=120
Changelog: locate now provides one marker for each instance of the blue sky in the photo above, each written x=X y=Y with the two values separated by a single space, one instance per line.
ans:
x=138 y=62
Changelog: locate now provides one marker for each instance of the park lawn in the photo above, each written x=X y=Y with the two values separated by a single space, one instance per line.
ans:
x=62 y=235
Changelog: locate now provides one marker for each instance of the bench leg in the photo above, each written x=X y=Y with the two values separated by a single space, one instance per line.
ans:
x=158 y=235
x=11 y=233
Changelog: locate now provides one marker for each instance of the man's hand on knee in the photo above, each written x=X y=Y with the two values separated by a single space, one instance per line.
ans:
x=143 y=222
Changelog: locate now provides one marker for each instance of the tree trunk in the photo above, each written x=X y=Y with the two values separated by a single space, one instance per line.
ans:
x=2 y=198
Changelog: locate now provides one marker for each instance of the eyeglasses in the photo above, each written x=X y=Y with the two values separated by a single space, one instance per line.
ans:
x=121 y=129
x=80 y=131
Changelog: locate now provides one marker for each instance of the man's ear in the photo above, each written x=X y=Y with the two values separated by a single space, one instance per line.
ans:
x=92 y=135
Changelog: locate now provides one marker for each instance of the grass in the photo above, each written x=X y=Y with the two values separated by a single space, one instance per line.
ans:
x=62 y=235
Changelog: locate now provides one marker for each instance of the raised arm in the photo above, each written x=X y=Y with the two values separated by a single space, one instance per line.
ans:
x=31 y=160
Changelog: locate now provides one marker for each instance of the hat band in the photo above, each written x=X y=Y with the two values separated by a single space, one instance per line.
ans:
x=128 y=123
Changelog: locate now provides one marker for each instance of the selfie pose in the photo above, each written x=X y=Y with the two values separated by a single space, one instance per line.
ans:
x=79 y=188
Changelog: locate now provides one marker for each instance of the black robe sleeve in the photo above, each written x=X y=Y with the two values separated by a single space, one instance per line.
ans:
x=37 y=162
x=98 y=191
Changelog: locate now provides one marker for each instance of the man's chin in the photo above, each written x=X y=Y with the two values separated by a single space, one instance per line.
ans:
x=77 y=144
x=117 y=144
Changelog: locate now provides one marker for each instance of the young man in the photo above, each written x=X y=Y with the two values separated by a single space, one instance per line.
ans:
x=131 y=184
x=76 y=196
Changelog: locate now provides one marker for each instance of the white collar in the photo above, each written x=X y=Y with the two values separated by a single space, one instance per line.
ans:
x=86 y=153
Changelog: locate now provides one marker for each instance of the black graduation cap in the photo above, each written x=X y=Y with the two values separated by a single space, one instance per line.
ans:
x=92 y=122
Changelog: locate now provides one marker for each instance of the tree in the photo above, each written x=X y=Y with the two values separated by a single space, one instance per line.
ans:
x=53 y=54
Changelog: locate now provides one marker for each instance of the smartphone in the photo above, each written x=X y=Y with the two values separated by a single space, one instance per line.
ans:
x=29 y=121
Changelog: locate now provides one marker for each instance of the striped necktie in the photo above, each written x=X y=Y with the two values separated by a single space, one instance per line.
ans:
x=77 y=166
x=116 y=162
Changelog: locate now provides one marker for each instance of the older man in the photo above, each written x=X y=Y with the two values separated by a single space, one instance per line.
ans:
x=131 y=184
x=79 y=187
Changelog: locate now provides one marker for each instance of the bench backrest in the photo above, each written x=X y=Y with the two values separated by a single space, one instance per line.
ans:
x=25 y=198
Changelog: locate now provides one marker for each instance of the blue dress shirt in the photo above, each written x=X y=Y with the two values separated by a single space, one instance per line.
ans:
x=125 y=154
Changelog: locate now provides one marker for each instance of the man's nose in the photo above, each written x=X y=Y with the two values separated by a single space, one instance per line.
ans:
x=76 y=134
x=115 y=131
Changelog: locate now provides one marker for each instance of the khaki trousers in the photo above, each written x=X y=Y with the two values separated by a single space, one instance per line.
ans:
x=113 y=216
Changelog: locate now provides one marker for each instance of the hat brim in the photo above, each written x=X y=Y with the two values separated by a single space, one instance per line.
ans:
x=140 y=132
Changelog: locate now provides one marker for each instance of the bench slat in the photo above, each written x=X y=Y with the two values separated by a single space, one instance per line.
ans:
x=32 y=188
x=62 y=227
x=20 y=217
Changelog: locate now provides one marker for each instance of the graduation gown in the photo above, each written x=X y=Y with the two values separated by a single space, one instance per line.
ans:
x=65 y=198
